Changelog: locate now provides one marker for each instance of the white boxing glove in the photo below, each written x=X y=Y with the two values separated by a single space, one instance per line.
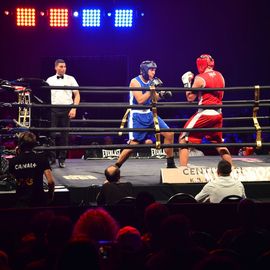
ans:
x=187 y=78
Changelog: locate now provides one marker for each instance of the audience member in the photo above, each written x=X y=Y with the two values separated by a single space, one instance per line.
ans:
x=154 y=215
x=249 y=239
x=131 y=248
x=178 y=250
x=220 y=262
x=224 y=185
x=33 y=245
x=57 y=235
x=143 y=199
x=204 y=240
x=247 y=220
x=4 y=261
x=95 y=225
x=107 y=140
x=129 y=239
x=113 y=190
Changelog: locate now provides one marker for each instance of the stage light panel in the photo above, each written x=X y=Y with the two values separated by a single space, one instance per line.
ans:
x=91 y=18
x=26 y=17
x=59 y=17
x=123 y=18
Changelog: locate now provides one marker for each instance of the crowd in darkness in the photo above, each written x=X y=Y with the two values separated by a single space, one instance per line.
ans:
x=156 y=238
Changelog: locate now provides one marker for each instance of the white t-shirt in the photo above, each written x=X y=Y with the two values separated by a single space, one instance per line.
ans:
x=62 y=96
x=217 y=189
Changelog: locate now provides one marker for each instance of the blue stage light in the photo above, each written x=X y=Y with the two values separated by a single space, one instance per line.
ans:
x=91 y=18
x=123 y=18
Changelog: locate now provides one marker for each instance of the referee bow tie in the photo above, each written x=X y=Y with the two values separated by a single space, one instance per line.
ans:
x=60 y=77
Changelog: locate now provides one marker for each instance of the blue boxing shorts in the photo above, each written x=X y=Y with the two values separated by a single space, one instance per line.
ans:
x=143 y=119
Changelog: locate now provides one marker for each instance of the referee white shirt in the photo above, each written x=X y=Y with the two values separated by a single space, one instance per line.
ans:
x=63 y=97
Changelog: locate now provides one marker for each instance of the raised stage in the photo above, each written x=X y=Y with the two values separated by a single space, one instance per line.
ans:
x=83 y=178
x=80 y=181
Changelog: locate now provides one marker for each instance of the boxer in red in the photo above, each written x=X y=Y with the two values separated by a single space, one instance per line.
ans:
x=204 y=118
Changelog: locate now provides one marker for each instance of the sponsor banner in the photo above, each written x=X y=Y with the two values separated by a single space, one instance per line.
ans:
x=154 y=153
x=205 y=174
x=114 y=153
x=111 y=153
x=158 y=153
x=249 y=174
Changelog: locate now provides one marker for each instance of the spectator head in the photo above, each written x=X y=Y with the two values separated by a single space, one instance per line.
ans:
x=247 y=212
x=175 y=232
x=112 y=173
x=4 y=262
x=108 y=140
x=129 y=239
x=143 y=199
x=221 y=262
x=41 y=222
x=154 y=214
x=224 y=168
x=59 y=230
x=26 y=141
x=95 y=225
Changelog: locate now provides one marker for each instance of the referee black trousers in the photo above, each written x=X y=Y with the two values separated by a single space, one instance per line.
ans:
x=59 y=118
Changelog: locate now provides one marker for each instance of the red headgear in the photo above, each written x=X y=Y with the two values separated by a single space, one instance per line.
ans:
x=204 y=61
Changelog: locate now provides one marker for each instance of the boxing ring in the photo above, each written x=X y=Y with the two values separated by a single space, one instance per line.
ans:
x=82 y=178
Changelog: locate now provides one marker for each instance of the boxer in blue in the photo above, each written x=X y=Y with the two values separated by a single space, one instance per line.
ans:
x=143 y=118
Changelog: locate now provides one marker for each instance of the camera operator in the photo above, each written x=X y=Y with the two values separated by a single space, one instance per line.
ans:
x=28 y=168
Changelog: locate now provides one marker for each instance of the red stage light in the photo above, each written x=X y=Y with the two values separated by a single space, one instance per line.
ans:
x=58 y=17
x=26 y=17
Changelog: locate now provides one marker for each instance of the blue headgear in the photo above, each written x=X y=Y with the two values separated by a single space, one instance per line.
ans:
x=145 y=66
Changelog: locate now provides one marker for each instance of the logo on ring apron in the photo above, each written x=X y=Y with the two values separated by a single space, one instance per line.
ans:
x=111 y=154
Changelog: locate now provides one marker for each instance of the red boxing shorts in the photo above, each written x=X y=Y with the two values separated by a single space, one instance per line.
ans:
x=204 y=119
